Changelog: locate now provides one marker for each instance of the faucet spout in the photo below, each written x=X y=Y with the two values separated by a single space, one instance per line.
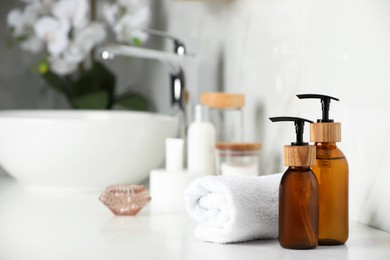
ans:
x=178 y=46
x=171 y=61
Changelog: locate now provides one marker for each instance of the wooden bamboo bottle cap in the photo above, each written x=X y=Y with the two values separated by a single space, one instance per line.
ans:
x=299 y=155
x=325 y=132
x=222 y=100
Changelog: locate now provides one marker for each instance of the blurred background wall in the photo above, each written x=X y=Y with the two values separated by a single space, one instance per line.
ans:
x=269 y=50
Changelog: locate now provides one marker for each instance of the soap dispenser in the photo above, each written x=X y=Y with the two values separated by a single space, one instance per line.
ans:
x=298 y=192
x=331 y=170
x=201 y=144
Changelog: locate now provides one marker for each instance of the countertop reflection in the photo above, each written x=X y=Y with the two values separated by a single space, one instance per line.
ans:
x=73 y=225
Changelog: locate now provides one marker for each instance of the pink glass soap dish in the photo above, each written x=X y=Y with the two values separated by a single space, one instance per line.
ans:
x=126 y=199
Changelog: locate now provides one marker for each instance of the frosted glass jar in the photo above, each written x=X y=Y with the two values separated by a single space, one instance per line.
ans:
x=226 y=114
x=238 y=159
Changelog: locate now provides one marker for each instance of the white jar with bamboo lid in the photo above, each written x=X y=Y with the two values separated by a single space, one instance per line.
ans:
x=226 y=114
x=238 y=159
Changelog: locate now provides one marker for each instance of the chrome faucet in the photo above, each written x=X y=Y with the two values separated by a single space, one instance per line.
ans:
x=178 y=46
x=171 y=61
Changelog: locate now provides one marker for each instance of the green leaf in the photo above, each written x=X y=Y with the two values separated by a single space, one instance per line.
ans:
x=55 y=81
x=121 y=11
x=133 y=101
x=95 y=79
x=21 y=38
x=137 y=41
x=94 y=100
x=98 y=78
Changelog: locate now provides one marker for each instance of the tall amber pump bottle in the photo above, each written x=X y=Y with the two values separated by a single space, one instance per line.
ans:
x=331 y=170
x=298 y=193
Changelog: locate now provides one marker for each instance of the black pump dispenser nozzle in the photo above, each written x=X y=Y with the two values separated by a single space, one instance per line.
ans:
x=325 y=100
x=299 y=126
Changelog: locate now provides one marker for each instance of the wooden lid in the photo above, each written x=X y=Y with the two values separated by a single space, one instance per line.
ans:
x=299 y=155
x=238 y=146
x=186 y=96
x=222 y=100
x=325 y=132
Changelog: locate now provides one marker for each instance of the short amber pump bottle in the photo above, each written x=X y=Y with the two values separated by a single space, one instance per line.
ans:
x=298 y=193
x=331 y=170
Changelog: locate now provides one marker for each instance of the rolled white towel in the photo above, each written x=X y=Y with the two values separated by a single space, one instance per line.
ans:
x=234 y=209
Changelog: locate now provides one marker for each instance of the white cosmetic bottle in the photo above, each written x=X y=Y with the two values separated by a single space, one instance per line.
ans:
x=201 y=145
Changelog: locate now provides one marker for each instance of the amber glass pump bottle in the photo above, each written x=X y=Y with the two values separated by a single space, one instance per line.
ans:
x=298 y=193
x=331 y=170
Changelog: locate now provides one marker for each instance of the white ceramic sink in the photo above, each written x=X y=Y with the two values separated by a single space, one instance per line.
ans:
x=86 y=150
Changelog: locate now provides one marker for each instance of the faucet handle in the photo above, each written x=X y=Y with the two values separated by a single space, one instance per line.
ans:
x=179 y=47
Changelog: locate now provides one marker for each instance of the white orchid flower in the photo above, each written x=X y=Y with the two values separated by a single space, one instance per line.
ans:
x=84 y=41
x=123 y=2
x=127 y=18
x=74 y=11
x=32 y=44
x=15 y=21
x=23 y=21
x=22 y=24
x=61 y=66
x=65 y=29
x=31 y=13
x=54 y=33
x=128 y=27
x=110 y=12
x=134 y=7
x=133 y=4
x=90 y=36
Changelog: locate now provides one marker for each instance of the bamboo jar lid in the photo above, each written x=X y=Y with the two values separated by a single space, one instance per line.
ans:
x=238 y=146
x=299 y=155
x=325 y=132
x=222 y=100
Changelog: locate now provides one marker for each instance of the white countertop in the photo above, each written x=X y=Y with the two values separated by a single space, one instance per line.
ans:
x=63 y=225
